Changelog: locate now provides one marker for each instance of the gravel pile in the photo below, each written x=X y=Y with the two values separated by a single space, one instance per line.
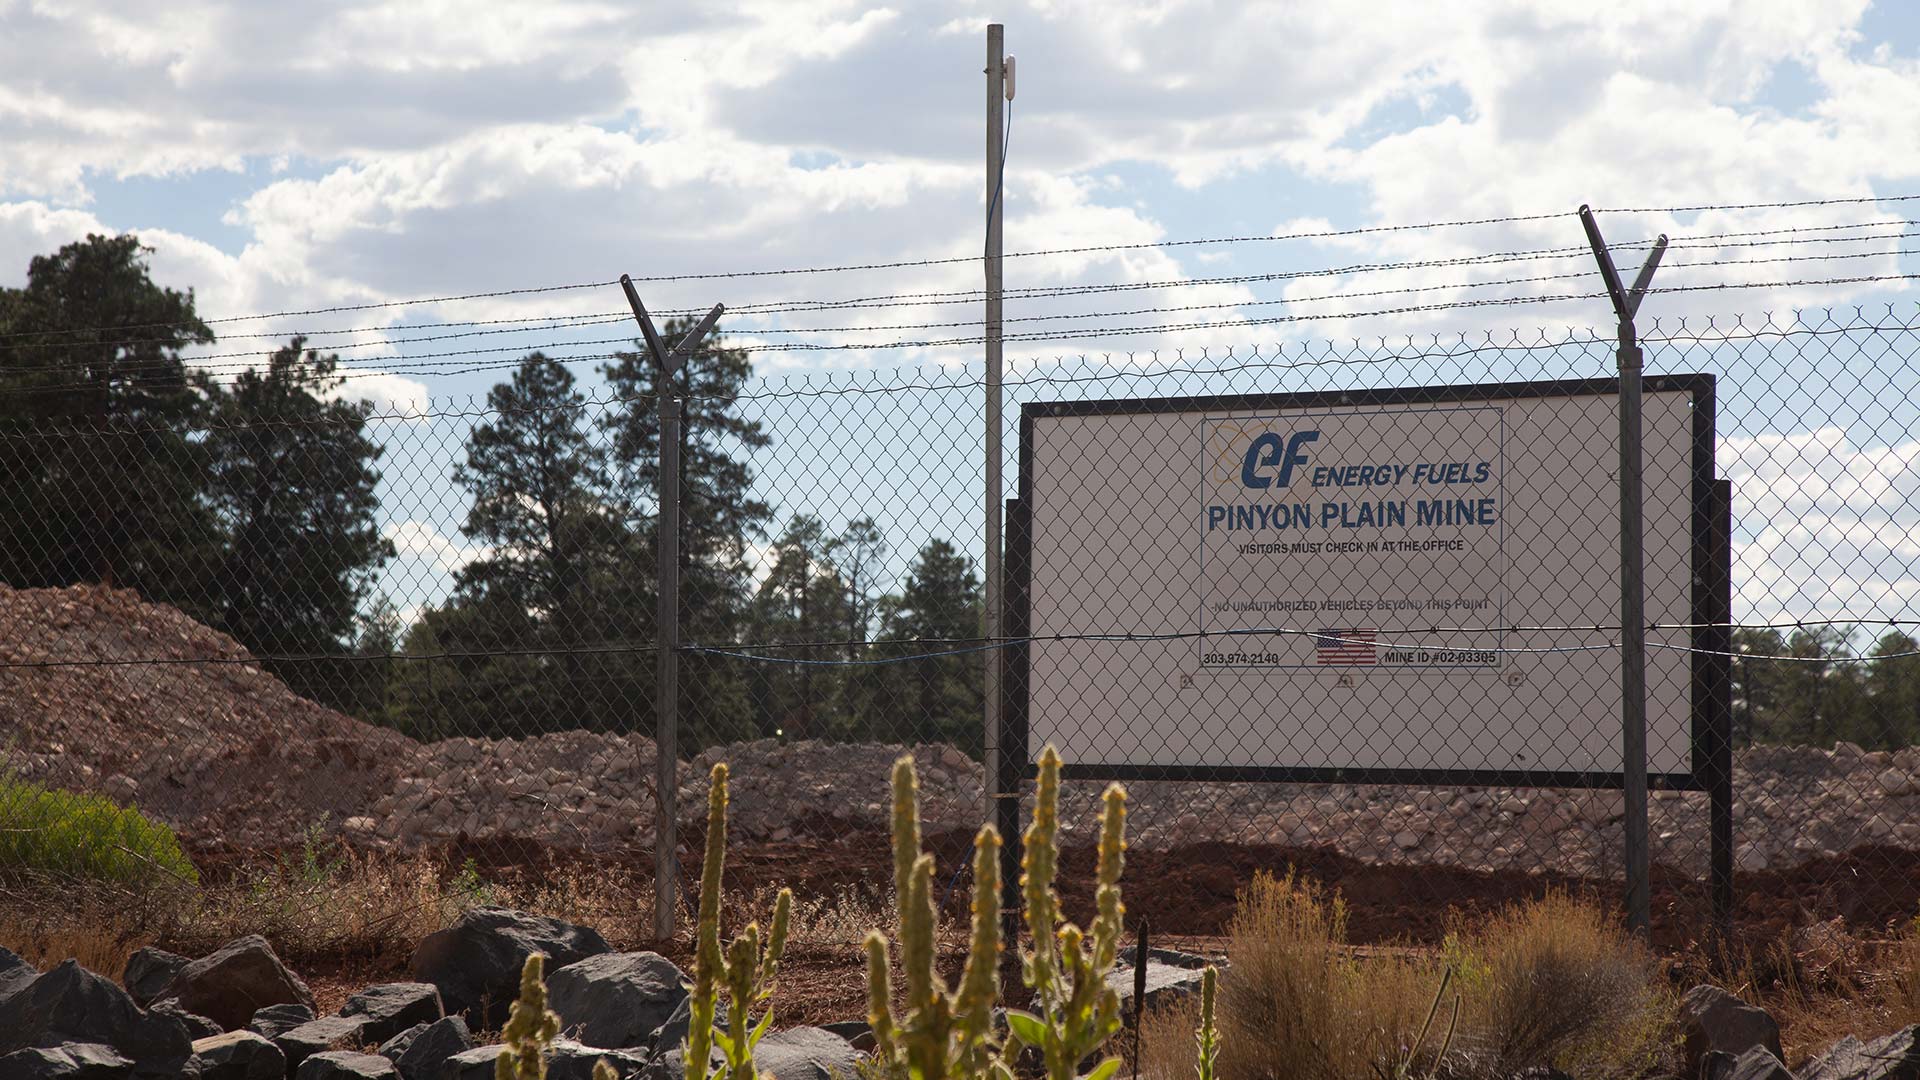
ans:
x=205 y=740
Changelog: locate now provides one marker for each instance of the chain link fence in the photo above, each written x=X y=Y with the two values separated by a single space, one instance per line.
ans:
x=431 y=629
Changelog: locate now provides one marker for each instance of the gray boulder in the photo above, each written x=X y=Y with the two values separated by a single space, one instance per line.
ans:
x=71 y=1061
x=570 y=1061
x=857 y=1032
x=15 y=974
x=198 y=1027
x=237 y=1055
x=276 y=1020
x=420 y=1051
x=1757 y=1063
x=73 y=1005
x=391 y=1008
x=346 y=1065
x=616 y=999
x=476 y=962
x=231 y=983
x=1713 y=1020
x=149 y=972
x=320 y=1036
x=672 y=1035
x=1890 y=1057
x=672 y=1064
x=805 y=1053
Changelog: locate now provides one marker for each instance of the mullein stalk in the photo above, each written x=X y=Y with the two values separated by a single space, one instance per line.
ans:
x=708 y=964
x=1207 y=1036
x=531 y=1028
x=745 y=971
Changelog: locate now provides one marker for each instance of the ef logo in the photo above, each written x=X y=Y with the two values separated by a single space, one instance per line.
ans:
x=1268 y=451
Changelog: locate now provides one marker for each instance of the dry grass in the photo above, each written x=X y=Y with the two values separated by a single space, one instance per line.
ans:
x=1550 y=983
x=1296 y=1004
x=1556 y=982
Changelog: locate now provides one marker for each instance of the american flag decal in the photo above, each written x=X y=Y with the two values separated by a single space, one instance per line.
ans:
x=1353 y=645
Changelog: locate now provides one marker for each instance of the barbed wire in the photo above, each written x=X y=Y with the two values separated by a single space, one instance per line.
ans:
x=948 y=260
x=444 y=408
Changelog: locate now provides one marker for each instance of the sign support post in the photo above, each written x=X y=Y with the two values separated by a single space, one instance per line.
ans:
x=1633 y=624
x=666 y=700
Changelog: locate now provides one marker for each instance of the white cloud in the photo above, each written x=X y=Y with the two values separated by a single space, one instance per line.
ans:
x=424 y=541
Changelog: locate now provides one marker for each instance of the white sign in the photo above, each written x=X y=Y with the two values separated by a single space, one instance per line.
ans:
x=1356 y=587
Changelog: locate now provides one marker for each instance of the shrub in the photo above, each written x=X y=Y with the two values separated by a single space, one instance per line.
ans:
x=1557 y=983
x=45 y=831
x=1294 y=1003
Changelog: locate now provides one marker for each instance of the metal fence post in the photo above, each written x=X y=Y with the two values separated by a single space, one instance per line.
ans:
x=666 y=700
x=1633 y=623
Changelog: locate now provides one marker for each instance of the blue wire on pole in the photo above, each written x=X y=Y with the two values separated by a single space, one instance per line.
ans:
x=1000 y=175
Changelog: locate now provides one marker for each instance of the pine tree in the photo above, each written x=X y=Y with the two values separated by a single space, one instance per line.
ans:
x=100 y=473
x=557 y=587
x=292 y=478
x=939 y=609
x=719 y=516
x=803 y=601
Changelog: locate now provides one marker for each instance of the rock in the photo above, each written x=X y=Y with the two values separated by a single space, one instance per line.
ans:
x=1712 y=1019
x=346 y=1065
x=73 y=1005
x=320 y=1036
x=672 y=1035
x=274 y=1021
x=857 y=1032
x=570 y=1061
x=71 y=1061
x=476 y=962
x=1896 y=782
x=15 y=974
x=231 y=983
x=805 y=1053
x=1750 y=858
x=616 y=999
x=1170 y=977
x=391 y=1008
x=197 y=1027
x=148 y=973
x=1824 y=952
x=1757 y=1063
x=1891 y=1057
x=238 y=1055
x=427 y=1047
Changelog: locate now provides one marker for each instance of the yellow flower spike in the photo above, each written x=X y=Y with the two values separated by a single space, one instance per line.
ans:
x=917 y=938
x=980 y=982
x=604 y=1071
x=906 y=834
x=880 y=997
x=709 y=966
x=776 y=940
x=531 y=1028
x=1037 y=868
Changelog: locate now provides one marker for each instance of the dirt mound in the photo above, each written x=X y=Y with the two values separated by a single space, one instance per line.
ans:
x=195 y=733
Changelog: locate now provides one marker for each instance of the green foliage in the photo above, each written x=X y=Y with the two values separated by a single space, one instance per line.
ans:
x=941 y=1033
x=531 y=1028
x=1208 y=1037
x=292 y=477
x=91 y=354
x=251 y=508
x=746 y=970
x=64 y=833
x=1815 y=698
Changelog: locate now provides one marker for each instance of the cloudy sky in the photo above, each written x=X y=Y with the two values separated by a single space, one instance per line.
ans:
x=288 y=157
